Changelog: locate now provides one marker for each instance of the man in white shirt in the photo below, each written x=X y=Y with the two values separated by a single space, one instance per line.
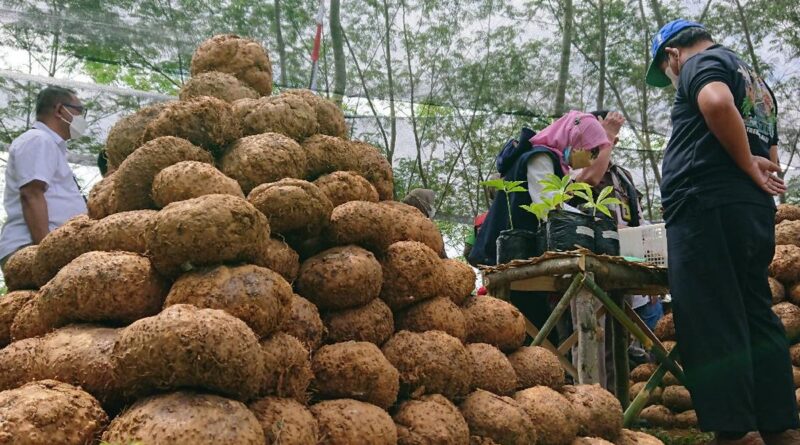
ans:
x=41 y=192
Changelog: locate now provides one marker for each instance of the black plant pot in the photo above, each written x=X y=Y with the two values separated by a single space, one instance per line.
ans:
x=569 y=230
x=516 y=244
x=606 y=236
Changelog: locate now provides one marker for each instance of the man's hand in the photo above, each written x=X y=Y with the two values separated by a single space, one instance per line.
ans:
x=716 y=103
x=762 y=172
x=34 y=209
x=612 y=124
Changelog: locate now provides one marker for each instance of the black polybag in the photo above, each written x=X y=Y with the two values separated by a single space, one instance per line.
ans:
x=518 y=244
x=569 y=230
x=606 y=236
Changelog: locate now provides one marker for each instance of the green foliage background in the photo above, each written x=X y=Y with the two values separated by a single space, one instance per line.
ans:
x=438 y=85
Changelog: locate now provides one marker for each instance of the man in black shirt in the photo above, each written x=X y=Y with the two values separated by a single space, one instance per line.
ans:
x=717 y=190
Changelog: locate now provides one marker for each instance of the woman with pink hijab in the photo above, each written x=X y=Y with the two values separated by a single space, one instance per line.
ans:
x=577 y=140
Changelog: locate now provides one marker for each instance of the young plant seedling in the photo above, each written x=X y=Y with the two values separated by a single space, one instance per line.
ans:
x=560 y=190
x=506 y=187
x=604 y=199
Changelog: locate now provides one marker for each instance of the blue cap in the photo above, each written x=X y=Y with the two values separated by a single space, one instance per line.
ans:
x=655 y=76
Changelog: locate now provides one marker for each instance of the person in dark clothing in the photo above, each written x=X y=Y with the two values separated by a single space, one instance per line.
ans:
x=491 y=193
x=717 y=190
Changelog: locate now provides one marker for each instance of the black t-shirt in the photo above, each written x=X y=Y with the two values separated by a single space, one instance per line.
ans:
x=695 y=163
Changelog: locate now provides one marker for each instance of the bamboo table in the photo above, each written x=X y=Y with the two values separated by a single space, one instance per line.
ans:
x=588 y=279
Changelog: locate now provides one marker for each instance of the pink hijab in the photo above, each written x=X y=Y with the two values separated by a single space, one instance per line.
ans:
x=576 y=129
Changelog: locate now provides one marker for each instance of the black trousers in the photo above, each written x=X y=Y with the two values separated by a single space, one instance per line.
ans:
x=733 y=347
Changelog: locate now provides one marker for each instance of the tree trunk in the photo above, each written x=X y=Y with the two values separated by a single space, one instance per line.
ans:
x=792 y=151
x=411 y=83
x=281 y=43
x=590 y=340
x=54 y=54
x=645 y=98
x=748 y=39
x=390 y=79
x=656 y=7
x=703 y=15
x=339 y=64
x=647 y=190
x=601 y=87
x=566 y=47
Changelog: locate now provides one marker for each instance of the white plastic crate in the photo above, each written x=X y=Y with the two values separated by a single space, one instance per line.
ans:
x=647 y=242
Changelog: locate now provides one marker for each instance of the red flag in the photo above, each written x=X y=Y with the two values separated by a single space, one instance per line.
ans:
x=317 y=43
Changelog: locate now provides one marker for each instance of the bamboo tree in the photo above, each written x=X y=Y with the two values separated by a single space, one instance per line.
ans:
x=746 y=28
x=656 y=7
x=411 y=83
x=601 y=83
x=390 y=79
x=340 y=68
x=280 y=42
x=566 y=47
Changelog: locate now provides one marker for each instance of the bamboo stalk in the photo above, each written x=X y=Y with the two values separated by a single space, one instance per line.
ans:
x=619 y=337
x=559 y=310
x=647 y=343
x=639 y=402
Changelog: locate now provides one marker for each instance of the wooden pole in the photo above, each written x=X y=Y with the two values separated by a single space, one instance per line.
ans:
x=588 y=362
x=620 y=339
x=558 y=311
x=502 y=291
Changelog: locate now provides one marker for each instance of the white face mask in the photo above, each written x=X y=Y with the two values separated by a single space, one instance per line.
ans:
x=77 y=127
x=672 y=77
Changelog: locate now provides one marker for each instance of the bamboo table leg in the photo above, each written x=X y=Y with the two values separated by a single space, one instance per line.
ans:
x=638 y=404
x=558 y=311
x=656 y=342
x=619 y=314
x=502 y=292
x=566 y=364
x=621 y=368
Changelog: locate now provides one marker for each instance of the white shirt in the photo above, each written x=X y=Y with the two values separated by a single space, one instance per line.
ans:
x=38 y=154
x=539 y=166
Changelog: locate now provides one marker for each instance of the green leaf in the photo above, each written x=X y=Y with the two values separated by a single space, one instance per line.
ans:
x=609 y=201
x=551 y=182
x=497 y=184
x=549 y=188
x=511 y=184
x=575 y=186
x=539 y=209
x=604 y=193
x=516 y=189
x=605 y=210
x=584 y=196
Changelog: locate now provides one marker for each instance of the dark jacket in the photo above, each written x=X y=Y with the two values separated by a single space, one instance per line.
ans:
x=513 y=165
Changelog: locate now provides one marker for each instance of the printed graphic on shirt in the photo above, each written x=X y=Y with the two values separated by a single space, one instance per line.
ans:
x=758 y=107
